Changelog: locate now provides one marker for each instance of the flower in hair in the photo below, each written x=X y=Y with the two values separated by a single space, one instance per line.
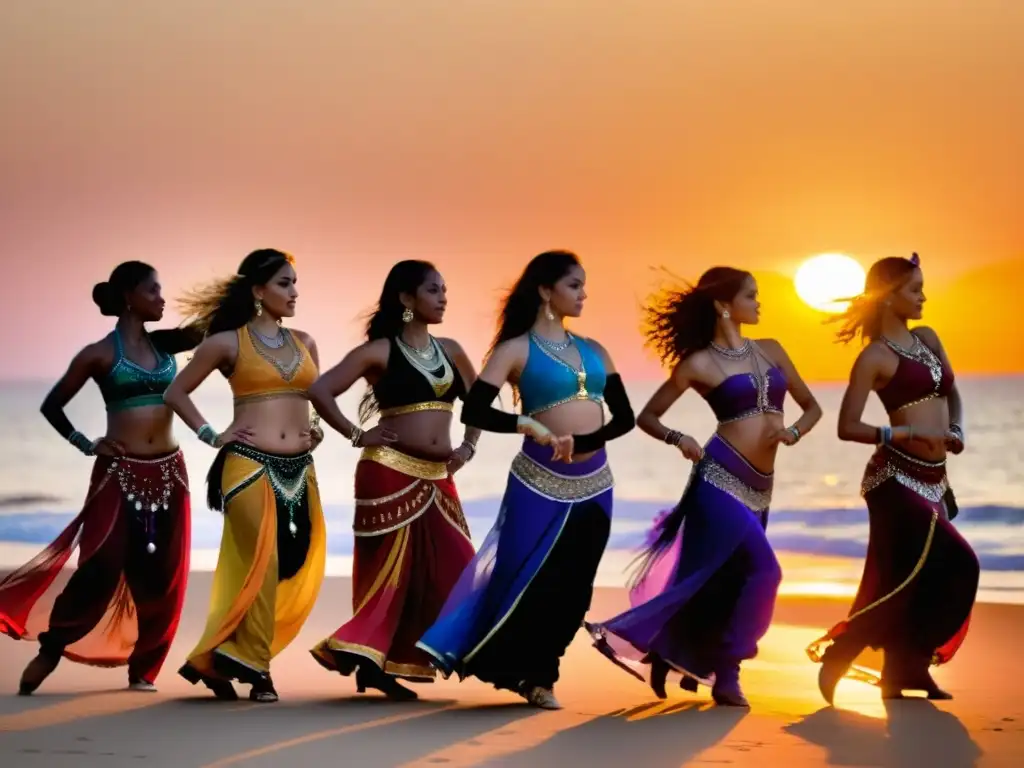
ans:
x=915 y=259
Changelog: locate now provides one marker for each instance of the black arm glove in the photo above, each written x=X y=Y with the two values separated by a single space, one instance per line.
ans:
x=477 y=411
x=622 y=420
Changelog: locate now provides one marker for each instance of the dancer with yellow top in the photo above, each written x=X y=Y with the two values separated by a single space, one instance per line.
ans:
x=273 y=551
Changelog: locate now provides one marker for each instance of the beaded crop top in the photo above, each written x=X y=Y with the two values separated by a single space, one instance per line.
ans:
x=744 y=395
x=548 y=381
x=258 y=376
x=920 y=376
x=418 y=380
x=129 y=385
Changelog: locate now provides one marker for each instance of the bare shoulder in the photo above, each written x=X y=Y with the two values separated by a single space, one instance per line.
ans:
x=928 y=335
x=873 y=355
x=451 y=346
x=223 y=340
x=514 y=348
x=307 y=340
x=774 y=349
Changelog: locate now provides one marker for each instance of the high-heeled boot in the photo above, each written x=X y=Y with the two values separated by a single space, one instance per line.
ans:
x=726 y=691
x=370 y=676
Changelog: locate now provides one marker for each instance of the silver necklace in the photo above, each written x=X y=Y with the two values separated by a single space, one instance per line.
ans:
x=271 y=342
x=733 y=354
x=428 y=357
x=438 y=373
x=554 y=346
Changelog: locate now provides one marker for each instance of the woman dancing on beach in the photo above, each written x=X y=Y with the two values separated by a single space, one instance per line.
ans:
x=705 y=591
x=272 y=553
x=411 y=539
x=517 y=606
x=123 y=602
x=920 y=577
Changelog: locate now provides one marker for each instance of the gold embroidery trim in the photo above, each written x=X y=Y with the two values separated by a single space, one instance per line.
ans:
x=429 y=405
x=407 y=465
x=548 y=483
x=273 y=394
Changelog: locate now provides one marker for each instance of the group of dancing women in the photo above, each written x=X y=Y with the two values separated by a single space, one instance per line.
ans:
x=424 y=602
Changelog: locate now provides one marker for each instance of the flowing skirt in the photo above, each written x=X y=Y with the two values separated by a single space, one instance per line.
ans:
x=518 y=604
x=920 y=577
x=708 y=599
x=411 y=545
x=123 y=602
x=270 y=567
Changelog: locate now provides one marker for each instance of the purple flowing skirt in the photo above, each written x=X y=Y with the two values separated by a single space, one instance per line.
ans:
x=707 y=598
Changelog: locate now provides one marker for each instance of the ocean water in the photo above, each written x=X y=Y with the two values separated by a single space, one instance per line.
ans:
x=816 y=508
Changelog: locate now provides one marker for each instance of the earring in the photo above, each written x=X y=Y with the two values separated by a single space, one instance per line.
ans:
x=726 y=315
x=259 y=307
x=407 y=315
x=547 y=311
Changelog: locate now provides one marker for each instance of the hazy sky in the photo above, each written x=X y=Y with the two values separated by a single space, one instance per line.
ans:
x=479 y=132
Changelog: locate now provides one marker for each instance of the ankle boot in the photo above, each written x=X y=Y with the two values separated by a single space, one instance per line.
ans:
x=726 y=691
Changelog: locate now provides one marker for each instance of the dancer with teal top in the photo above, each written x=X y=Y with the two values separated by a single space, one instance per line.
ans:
x=123 y=602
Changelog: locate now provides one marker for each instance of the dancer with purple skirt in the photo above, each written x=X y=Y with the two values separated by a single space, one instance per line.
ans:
x=705 y=589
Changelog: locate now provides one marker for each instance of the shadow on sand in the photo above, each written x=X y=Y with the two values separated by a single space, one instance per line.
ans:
x=914 y=732
x=656 y=735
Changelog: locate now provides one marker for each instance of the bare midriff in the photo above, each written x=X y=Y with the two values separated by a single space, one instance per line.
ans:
x=424 y=435
x=930 y=416
x=577 y=417
x=143 y=431
x=279 y=424
x=752 y=438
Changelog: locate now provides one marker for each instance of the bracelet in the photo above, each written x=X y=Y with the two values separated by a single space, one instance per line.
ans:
x=884 y=435
x=355 y=437
x=957 y=430
x=471 y=448
x=208 y=435
x=674 y=437
x=82 y=443
x=795 y=432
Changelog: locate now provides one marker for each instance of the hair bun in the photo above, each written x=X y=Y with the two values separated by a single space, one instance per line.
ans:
x=104 y=296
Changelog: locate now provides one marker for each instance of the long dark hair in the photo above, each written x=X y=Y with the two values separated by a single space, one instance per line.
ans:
x=521 y=304
x=384 y=321
x=227 y=304
x=864 y=315
x=680 y=321
x=111 y=298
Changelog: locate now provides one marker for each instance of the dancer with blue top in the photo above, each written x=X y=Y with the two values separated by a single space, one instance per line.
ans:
x=518 y=604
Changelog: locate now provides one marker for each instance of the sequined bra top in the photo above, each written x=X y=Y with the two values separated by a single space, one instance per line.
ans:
x=418 y=380
x=920 y=376
x=547 y=380
x=744 y=395
x=259 y=376
x=129 y=385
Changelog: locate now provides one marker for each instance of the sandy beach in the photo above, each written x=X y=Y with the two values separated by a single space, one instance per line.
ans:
x=81 y=716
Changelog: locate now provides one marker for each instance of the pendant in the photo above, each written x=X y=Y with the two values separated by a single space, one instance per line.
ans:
x=293 y=528
x=151 y=547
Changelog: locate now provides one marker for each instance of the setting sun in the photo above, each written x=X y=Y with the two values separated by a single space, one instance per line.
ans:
x=822 y=281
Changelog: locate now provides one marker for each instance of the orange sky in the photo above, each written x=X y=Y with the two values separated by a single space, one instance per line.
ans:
x=654 y=132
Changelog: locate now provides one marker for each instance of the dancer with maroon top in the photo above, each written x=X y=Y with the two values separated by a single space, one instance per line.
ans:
x=122 y=604
x=920 y=577
x=411 y=539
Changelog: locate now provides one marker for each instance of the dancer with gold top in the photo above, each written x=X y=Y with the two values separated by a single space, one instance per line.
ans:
x=920 y=576
x=123 y=602
x=518 y=605
x=411 y=539
x=273 y=551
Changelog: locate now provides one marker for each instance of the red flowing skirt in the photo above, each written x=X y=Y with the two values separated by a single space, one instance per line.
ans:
x=411 y=545
x=920 y=577
x=122 y=604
